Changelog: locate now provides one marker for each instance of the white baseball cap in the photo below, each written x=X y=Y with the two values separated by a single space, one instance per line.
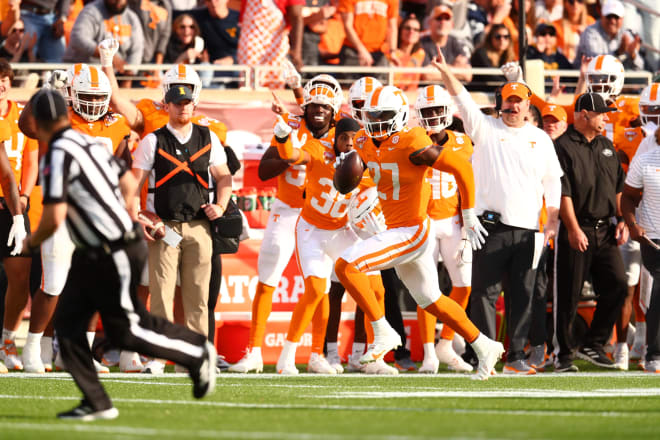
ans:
x=613 y=7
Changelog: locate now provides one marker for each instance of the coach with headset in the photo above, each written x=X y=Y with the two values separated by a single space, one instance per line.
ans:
x=515 y=167
x=590 y=230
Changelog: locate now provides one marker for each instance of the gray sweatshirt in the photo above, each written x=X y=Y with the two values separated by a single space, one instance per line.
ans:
x=94 y=24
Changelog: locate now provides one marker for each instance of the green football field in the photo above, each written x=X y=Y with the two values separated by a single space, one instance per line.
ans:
x=594 y=404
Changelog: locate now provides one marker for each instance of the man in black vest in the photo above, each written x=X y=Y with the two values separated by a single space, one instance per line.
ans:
x=182 y=160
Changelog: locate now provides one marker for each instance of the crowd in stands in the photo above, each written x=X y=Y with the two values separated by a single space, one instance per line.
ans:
x=406 y=33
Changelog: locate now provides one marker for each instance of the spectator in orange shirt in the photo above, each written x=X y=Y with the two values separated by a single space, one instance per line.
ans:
x=409 y=53
x=369 y=25
x=570 y=26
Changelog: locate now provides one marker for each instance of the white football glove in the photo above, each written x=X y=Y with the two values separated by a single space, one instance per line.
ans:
x=291 y=76
x=281 y=129
x=474 y=230
x=375 y=223
x=512 y=71
x=57 y=79
x=107 y=50
x=17 y=234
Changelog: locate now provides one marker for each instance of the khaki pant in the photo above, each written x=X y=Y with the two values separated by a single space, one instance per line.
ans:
x=192 y=260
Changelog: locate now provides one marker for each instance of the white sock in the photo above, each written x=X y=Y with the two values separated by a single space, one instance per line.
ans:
x=8 y=335
x=358 y=348
x=90 y=338
x=380 y=327
x=34 y=338
x=429 y=350
x=332 y=347
x=480 y=345
x=256 y=351
x=289 y=351
x=640 y=333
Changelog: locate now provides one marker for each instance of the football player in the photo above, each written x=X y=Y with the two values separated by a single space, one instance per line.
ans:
x=398 y=158
x=434 y=110
x=89 y=92
x=17 y=267
x=277 y=247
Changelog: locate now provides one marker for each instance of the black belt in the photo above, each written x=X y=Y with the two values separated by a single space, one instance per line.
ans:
x=594 y=223
x=35 y=9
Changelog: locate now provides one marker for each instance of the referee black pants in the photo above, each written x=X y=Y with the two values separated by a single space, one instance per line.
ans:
x=107 y=283
x=504 y=263
x=603 y=261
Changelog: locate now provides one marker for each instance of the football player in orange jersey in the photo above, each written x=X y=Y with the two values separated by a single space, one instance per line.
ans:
x=17 y=267
x=89 y=91
x=322 y=100
x=398 y=158
x=322 y=232
x=434 y=109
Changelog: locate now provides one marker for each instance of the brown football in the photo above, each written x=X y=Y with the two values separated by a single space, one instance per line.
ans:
x=348 y=172
x=152 y=224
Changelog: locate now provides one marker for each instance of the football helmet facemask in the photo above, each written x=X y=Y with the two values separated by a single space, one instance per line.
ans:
x=605 y=76
x=359 y=93
x=386 y=112
x=434 y=108
x=90 y=93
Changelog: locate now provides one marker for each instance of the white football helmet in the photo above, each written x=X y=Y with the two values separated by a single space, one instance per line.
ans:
x=365 y=213
x=434 y=97
x=90 y=93
x=649 y=104
x=386 y=112
x=185 y=75
x=605 y=76
x=359 y=93
x=323 y=89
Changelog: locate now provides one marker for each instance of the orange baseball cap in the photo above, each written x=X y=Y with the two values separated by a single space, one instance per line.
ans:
x=442 y=9
x=555 y=110
x=515 y=89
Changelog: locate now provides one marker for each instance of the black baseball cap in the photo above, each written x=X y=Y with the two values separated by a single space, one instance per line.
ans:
x=176 y=94
x=592 y=102
x=48 y=105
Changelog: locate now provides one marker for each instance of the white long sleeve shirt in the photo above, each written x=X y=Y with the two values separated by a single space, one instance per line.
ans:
x=514 y=168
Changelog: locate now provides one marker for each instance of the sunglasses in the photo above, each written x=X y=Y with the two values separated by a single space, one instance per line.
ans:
x=18 y=30
x=572 y=2
x=546 y=33
x=411 y=29
x=502 y=37
x=443 y=17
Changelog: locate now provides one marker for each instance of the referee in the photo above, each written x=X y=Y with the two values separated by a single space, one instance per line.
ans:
x=515 y=168
x=86 y=186
x=587 y=240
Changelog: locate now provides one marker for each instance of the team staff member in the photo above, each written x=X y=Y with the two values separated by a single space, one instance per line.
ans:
x=84 y=185
x=587 y=240
x=515 y=167
x=643 y=184
x=180 y=160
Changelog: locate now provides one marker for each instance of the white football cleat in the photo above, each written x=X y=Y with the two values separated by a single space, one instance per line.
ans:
x=154 y=367
x=430 y=365
x=621 y=356
x=382 y=345
x=9 y=355
x=287 y=369
x=129 y=362
x=488 y=352
x=251 y=361
x=32 y=359
x=380 y=367
x=335 y=362
x=100 y=368
x=319 y=365
x=353 y=365
x=446 y=355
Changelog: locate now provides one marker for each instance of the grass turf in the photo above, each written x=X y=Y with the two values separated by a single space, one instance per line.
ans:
x=409 y=406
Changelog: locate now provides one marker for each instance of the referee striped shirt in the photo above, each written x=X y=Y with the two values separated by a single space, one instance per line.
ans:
x=644 y=173
x=81 y=172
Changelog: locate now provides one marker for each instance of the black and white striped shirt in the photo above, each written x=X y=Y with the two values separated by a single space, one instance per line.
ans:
x=81 y=172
